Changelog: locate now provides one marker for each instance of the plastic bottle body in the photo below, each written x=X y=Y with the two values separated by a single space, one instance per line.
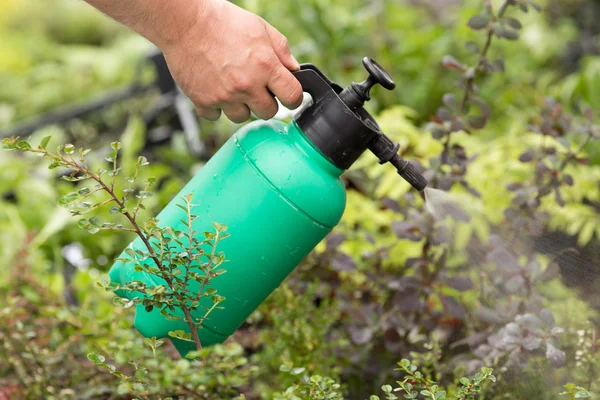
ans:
x=279 y=198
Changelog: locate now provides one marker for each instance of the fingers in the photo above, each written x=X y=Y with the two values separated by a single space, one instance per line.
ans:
x=263 y=105
x=286 y=87
x=282 y=48
x=211 y=114
x=237 y=112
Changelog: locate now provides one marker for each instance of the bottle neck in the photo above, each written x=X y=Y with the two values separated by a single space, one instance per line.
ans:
x=312 y=151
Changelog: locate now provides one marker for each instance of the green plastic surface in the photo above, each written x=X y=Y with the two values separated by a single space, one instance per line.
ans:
x=279 y=197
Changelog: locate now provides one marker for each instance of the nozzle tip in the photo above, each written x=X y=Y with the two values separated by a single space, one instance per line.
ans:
x=412 y=176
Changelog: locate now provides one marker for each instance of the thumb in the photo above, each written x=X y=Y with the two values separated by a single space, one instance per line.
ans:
x=282 y=48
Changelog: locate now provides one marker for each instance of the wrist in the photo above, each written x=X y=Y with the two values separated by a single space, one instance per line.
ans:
x=188 y=20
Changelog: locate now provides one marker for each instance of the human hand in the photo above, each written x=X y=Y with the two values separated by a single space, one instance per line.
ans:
x=229 y=61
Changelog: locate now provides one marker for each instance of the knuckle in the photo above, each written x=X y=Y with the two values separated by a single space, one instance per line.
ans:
x=284 y=43
x=222 y=96
x=241 y=84
x=265 y=62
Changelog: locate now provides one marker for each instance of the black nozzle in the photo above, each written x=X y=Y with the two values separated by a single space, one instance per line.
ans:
x=387 y=151
x=338 y=125
x=409 y=173
x=357 y=94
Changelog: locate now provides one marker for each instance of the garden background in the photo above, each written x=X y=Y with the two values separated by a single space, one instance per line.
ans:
x=498 y=110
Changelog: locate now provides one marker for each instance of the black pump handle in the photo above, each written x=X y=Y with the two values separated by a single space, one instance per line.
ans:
x=314 y=82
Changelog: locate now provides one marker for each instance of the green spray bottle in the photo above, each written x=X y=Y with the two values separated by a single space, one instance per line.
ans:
x=278 y=188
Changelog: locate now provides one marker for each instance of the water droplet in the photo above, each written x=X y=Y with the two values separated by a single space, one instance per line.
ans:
x=215 y=176
x=262 y=258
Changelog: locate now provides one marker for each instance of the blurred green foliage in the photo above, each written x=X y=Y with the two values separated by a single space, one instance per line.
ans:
x=341 y=325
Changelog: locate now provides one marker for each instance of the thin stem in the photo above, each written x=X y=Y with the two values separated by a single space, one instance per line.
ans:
x=144 y=239
x=190 y=244
x=136 y=228
x=112 y=228
x=139 y=204
x=469 y=83
x=114 y=177
x=570 y=156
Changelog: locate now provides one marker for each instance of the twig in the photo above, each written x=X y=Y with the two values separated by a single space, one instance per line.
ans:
x=469 y=83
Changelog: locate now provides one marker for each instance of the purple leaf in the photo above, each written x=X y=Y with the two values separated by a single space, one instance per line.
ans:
x=484 y=107
x=556 y=357
x=472 y=47
x=529 y=321
x=513 y=22
x=444 y=114
x=531 y=343
x=526 y=157
x=406 y=230
x=333 y=240
x=450 y=101
x=343 y=262
x=452 y=63
x=477 y=121
x=404 y=284
x=478 y=22
x=547 y=317
x=514 y=284
x=504 y=260
x=558 y=197
x=360 y=335
x=568 y=179
x=453 y=307
x=408 y=301
x=460 y=283
x=535 y=5
x=488 y=315
x=549 y=273
x=391 y=204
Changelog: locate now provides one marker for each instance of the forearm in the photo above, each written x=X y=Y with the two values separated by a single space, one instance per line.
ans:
x=163 y=22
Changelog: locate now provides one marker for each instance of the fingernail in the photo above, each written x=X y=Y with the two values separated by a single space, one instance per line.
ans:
x=296 y=62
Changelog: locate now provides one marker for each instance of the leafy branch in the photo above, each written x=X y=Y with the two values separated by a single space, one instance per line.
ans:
x=417 y=385
x=167 y=252
x=454 y=116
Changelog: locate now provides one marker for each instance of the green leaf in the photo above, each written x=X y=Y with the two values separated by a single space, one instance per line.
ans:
x=115 y=210
x=440 y=395
x=96 y=358
x=95 y=221
x=23 y=145
x=425 y=393
x=298 y=371
x=69 y=149
x=45 y=141
x=116 y=146
x=138 y=386
x=142 y=161
x=103 y=281
x=465 y=381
